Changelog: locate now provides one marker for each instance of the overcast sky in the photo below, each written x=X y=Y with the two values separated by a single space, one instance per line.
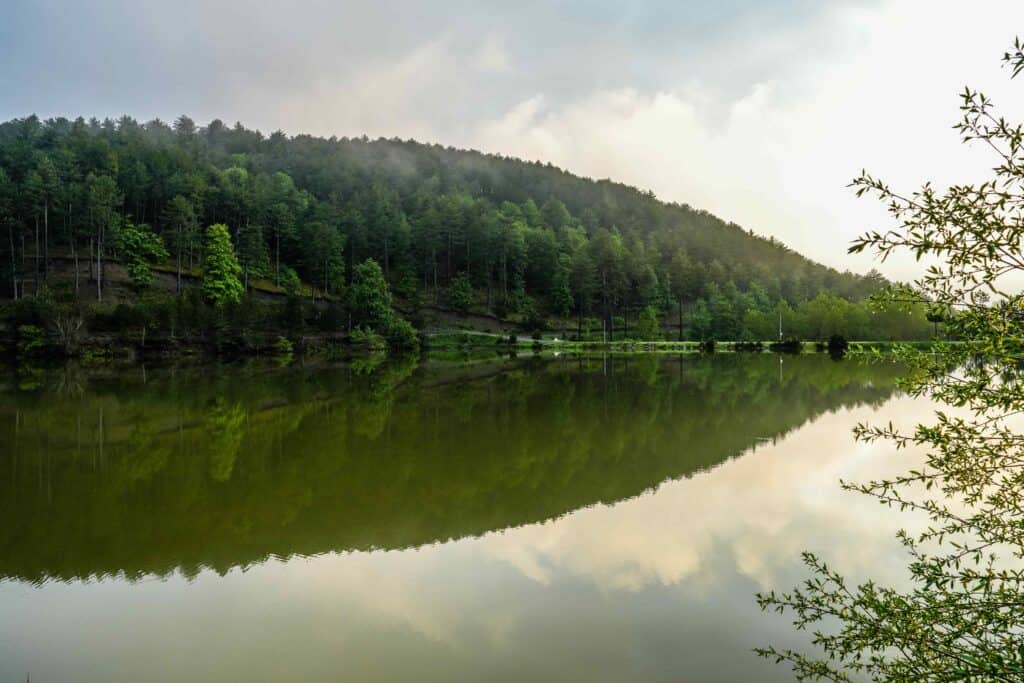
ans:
x=760 y=112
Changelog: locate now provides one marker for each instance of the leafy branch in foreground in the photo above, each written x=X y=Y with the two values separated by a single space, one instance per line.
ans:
x=961 y=616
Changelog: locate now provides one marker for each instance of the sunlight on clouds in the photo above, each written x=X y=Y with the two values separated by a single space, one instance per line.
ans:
x=761 y=508
x=777 y=158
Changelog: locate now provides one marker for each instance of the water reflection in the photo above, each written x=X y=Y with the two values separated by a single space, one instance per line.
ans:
x=195 y=469
x=242 y=488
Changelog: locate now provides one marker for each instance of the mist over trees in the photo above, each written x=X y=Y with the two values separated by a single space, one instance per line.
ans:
x=453 y=228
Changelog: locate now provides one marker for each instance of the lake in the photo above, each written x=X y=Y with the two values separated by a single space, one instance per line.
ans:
x=597 y=519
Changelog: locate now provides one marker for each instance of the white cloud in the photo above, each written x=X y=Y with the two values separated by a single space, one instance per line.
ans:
x=758 y=112
x=777 y=157
x=492 y=57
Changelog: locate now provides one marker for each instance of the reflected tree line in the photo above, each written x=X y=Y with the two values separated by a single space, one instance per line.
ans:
x=180 y=470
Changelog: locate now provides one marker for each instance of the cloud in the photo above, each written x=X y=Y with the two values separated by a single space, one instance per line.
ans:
x=492 y=56
x=760 y=113
x=693 y=530
x=776 y=154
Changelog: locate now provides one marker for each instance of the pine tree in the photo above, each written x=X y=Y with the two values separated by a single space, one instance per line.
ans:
x=221 y=271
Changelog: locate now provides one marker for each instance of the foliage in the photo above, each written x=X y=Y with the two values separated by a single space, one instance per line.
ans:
x=432 y=480
x=647 y=326
x=369 y=297
x=367 y=339
x=402 y=336
x=961 y=618
x=283 y=347
x=221 y=271
x=289 y=281
x=460 y=293
x=528 y=239
x=140 y=249
x=31 y=340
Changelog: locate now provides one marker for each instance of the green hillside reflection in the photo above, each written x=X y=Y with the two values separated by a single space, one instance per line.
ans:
x=222 y=467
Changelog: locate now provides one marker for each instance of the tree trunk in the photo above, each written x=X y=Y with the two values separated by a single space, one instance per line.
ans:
x=74 y=258
x=14 y=267
x=277 y=259
x=680 y=320
x=46 y=241
x=99 y=265
x=74 y=245
x=35 y=269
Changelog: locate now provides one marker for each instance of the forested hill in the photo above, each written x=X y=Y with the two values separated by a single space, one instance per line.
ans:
x=461 y=228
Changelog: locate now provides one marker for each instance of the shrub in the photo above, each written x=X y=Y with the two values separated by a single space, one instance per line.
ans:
x=283 y=347
x=31 y=340
x=402 y=336
x=460 y=293
x=787 y=345
x=647 y=327
x=367 y=339
x=289 y=280
x=837 y=344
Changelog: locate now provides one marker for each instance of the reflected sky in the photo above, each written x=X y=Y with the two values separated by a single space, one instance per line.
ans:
x=656 y=587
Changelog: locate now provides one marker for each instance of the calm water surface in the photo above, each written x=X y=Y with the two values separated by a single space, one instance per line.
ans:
x=563 y=519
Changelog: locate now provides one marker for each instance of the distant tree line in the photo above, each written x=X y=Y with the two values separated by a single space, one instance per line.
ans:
x=459 y=229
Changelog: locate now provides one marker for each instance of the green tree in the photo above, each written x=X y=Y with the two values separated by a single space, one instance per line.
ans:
x=647 y=326
x=369 y=297
x=7 y=220
x=104 y=197
x=182 y=227
x=221 y=271
x=460 y=293
x=252 y=252
x=560 y=296
x=962 y=616
x=140 y=248
x=324 y=247
x=289 y=281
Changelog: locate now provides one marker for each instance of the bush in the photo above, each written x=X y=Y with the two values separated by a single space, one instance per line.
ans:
x=283 y=347
x=367 y=339
x=460 y=293
x=289 y=281
x=402 y=336
x=787 y=345
x=647 y=326
x=837 y=344
x=31 y=340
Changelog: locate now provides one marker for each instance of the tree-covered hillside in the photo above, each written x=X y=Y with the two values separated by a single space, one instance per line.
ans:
x=456 y=228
